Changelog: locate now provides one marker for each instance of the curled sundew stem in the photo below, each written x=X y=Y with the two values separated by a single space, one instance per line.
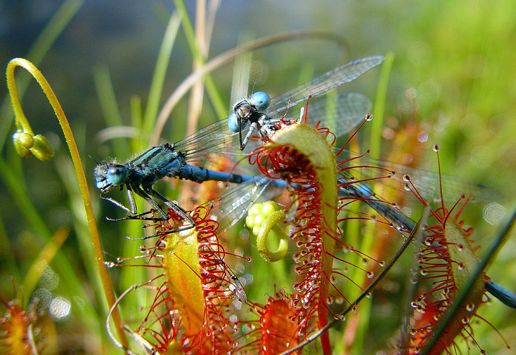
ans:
x=23 y=124
x=265 y=219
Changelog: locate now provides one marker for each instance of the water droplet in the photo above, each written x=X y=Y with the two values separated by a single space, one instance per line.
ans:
x=59 y=307
x=381 y=263
x=369 y=117
x=436 y=148
x=464 y=320
x=470 y=307
x=406 y=178
x=494 y=213
x=340 y=317
x=109 y=264
x=370 y=275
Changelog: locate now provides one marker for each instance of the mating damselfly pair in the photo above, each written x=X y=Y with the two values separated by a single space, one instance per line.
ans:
x=264 y=116
x=258 y=113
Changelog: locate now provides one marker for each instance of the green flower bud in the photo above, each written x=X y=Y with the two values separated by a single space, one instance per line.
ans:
x=23 y=141
x=41 y=149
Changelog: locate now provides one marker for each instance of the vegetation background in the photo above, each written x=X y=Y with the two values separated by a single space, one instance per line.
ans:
x=453 y=73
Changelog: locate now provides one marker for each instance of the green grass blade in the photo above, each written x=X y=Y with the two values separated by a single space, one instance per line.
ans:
x=160 y=71
x=379 y=107
x=108 y=105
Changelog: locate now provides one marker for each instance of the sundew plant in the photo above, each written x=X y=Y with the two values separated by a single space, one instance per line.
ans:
x=391 y=235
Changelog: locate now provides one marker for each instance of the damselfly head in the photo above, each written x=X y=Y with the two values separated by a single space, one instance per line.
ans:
x=109 y=175
x=260 y=100
x=233 y=124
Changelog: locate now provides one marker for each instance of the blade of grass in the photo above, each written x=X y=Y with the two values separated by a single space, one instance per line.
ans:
x=42 y=261
x=159 y=74
x=108 y=104
x=136 y=120
x=367 y=242
x=379 y=107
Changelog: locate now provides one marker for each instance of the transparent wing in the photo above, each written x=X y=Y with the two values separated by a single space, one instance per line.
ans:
x=217 y=138
x=324 y=83
x=342 y=114
x=426 y=181
x=234 y=204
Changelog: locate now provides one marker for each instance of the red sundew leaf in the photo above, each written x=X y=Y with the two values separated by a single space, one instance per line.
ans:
x=447 y=261
x=302 y=155
x=16 y=328
x=199 y=287
x=25 y=331
x=277 y=327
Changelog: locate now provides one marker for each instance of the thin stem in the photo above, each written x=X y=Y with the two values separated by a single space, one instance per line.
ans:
x=78 y=167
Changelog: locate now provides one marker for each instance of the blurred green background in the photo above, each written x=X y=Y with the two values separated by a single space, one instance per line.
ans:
x=454 y=72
